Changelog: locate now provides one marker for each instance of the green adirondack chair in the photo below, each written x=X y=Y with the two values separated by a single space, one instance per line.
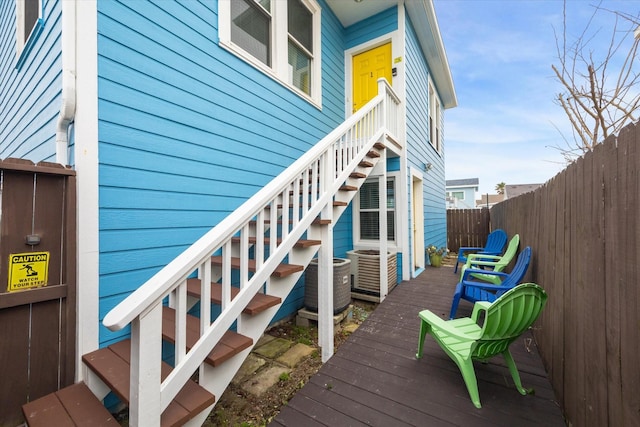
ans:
x=492 y=262
x=504 y=321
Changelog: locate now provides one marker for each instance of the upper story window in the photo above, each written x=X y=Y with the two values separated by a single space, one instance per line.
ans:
x=281 y=38
x=434 y=119
x=28 y=25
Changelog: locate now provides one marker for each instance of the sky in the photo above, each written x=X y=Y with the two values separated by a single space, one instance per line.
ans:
x=506 y=125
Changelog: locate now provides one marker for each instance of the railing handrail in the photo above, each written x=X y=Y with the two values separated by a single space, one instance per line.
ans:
x=160 y=284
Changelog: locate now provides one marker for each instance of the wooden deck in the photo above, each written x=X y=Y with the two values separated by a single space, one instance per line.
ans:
x=375 y=379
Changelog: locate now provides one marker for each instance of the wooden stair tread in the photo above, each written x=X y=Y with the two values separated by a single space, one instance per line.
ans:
x=229 y=345
x=373 y=154
x=282 y=270
x=339 y=203
x=348 y=188
x=111 y=365
x=259 y=302
x=302 y=243
x=365 y=164
x=358 y=175
x=71 y=406
x=379 y=145
x=320 y=221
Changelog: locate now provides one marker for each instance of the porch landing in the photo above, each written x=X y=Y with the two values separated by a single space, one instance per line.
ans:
x=375 y=379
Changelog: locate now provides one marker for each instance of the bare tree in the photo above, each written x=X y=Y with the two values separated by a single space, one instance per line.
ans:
x=601 y=88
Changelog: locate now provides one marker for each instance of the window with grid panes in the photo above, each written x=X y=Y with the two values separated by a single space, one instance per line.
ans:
x=281 y=37
x=370 y=207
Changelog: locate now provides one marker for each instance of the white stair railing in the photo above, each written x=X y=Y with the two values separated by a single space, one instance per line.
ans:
x=323 y=169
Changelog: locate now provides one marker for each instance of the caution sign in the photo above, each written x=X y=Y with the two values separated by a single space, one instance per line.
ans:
x=28 y=270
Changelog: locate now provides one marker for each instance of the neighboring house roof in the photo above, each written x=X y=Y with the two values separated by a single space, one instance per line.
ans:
x=492 y=200
x=466 y=182
x=423 y=16
x=518 y=189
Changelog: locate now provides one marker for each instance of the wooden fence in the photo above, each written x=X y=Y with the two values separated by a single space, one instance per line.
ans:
x=467 y=228
x=584 y=229
x=37 y=283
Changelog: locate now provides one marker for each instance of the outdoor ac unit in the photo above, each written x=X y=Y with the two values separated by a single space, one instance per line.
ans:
x=365 y=269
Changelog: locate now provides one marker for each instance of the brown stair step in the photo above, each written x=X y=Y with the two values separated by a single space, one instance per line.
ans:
x=259 y=302
x=348 y=188
x=229 y=345
x=302 y=243
x=358 y=175
x=373 y=154
x=365 y=164
x=71 y=406
x=337 y=203
x=282 y=270
x=320 y=221
x=111 y=365
x=379 y=145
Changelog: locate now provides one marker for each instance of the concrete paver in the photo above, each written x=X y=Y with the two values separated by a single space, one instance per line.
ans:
x=295 y=354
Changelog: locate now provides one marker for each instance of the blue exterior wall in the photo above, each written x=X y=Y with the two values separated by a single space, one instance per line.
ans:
x=30 y=95
x=187 y=132
x=378 y=25
x=419 y=148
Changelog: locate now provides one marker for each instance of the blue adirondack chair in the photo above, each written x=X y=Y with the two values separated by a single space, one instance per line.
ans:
x=495 y=243
x=465 y=340
x=474 y=290
x=492 y=262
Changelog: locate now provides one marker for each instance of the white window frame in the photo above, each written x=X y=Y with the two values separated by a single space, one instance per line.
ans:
x=452 y=194
x=435 y=133
x=24 y=43
x=363 y=243
x=279 y=69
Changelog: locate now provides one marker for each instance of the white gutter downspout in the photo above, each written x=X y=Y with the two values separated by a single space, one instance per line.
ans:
x=68 y=106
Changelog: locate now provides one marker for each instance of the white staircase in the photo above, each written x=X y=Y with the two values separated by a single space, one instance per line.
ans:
x=247 y=265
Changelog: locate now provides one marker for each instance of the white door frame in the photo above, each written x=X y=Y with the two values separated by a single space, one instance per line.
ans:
x=417 y=221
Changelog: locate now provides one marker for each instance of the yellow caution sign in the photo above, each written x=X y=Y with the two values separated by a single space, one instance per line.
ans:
x=28 y=270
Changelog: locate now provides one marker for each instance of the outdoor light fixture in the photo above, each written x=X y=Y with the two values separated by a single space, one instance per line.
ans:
x=427 y=166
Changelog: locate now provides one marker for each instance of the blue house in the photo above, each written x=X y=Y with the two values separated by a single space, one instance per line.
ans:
x=264 y=132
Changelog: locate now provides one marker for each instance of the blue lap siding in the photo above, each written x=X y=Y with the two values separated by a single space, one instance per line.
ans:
x=30 y=93
x=188 y=131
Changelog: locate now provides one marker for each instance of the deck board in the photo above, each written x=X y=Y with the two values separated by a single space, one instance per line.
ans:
x=375 y=379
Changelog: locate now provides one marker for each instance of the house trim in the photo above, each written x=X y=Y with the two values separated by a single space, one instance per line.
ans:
x=401 y=89
x=86 y=165
x=417 y=262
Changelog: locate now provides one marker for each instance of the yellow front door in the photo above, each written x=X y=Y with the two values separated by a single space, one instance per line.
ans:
x=368 y=67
